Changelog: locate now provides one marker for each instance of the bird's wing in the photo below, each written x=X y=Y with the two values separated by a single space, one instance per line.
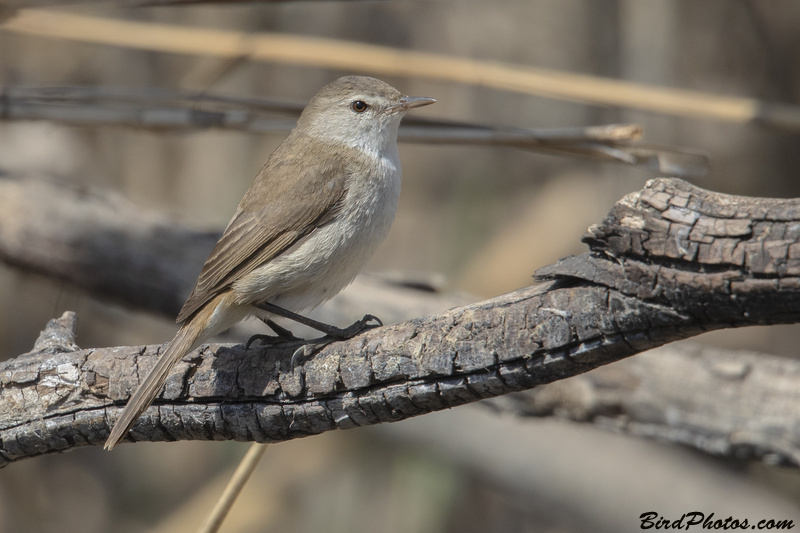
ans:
x=259 y=232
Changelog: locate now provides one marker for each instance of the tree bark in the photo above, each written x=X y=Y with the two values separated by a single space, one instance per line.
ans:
x=668 y=262
x=735 y=404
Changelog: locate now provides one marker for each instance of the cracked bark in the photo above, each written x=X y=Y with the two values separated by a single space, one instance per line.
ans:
x=668 y=262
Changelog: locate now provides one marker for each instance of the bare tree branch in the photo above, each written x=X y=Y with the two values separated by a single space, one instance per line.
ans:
x=101 y=243
x=668 y=262
x=162 y=110
x=736 y=404
x=56 y=401
x=388 y=61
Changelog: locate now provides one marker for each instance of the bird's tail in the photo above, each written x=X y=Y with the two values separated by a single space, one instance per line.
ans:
x=186 y=339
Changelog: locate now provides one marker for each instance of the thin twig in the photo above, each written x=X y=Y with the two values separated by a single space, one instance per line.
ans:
x=234 y=487
x=161 y=110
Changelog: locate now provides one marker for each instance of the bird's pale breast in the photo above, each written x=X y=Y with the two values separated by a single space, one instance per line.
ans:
x=326 y=261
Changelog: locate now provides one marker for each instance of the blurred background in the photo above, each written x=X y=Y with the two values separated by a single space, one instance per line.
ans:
x=481 y=218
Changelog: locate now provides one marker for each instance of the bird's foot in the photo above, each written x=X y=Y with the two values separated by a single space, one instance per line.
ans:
x=334 y=334
x=357 y=327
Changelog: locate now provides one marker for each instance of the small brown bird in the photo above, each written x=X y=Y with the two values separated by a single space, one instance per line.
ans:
x=312 y=218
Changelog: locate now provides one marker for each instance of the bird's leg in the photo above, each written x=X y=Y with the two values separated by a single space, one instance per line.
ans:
x=281 y=335
x=309 y=348
x=330 y=331
x=281 y=331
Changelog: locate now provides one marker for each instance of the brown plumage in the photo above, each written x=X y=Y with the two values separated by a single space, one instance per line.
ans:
x=314 y=214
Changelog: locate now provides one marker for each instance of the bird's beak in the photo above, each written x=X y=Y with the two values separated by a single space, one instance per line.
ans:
x=409 y=102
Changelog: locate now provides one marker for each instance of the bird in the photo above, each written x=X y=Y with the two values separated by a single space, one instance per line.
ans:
x=313 y=216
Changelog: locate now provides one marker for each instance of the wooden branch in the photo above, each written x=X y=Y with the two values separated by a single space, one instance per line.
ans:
x=162 y=110
x=100 y=243
x=669 y=261
x=106 y=246
x=387 y=61
x=736 y=404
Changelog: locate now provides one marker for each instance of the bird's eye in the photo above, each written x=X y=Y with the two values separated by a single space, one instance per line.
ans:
x=358 y=106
